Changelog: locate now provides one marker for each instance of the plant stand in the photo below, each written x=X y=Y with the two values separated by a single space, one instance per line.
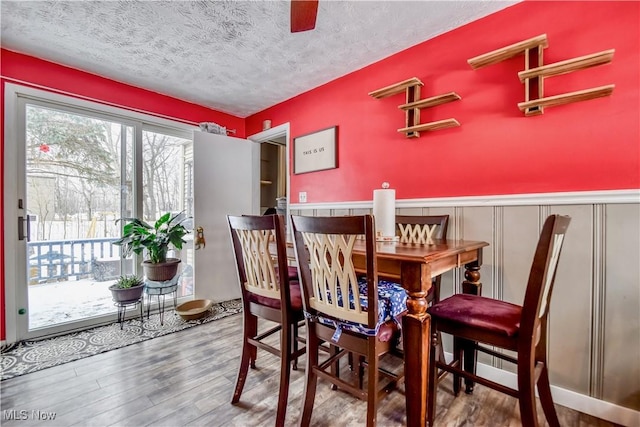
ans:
x=122 y=310
x=161 y=290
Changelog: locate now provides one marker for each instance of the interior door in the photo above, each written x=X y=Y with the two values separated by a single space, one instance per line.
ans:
x=226 y=182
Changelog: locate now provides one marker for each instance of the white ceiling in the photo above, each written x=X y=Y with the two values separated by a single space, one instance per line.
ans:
x=237 y=57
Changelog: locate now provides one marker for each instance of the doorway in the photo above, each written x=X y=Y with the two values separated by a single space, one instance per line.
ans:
x=274 y=168
x=273 y=180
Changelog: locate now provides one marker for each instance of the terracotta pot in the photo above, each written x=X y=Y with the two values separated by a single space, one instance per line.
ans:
x=162 y=271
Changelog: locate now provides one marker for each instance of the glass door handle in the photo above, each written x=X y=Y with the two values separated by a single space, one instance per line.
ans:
x=21 y=235
x=21 y=222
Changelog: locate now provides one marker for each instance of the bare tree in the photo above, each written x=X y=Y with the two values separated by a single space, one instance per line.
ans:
x=161 y=177
x=71 y=149
x=83 y=154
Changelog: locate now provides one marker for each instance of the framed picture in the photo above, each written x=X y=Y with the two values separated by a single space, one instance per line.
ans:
x=315 y=151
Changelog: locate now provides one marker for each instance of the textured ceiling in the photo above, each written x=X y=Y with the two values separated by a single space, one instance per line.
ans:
x=237 y=57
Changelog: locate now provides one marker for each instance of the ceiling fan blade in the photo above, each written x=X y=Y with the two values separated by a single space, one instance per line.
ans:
x=303 y=15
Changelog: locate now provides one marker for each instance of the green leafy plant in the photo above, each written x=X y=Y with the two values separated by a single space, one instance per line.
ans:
x=137 y=235
x=126 y=282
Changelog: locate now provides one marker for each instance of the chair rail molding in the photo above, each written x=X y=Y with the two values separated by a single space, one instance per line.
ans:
x=560 y=198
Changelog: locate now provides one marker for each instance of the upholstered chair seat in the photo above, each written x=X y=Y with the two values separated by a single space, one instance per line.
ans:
x=294 y=294
x=472 y=311
x=292 y=272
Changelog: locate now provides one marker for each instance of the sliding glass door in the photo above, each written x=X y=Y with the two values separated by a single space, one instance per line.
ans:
x=78 y=171
x=70 y=172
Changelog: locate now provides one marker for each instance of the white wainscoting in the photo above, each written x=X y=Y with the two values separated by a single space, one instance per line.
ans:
x=594 y=322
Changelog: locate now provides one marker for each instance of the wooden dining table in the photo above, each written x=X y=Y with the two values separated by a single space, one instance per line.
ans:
x=413 y=266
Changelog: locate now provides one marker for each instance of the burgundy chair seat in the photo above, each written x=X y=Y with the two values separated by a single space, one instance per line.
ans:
x=292 y=272
x=479 y=312
x=388 y=330
x=294 y=293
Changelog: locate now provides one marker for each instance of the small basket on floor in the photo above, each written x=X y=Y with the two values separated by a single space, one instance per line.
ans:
x=194 y=309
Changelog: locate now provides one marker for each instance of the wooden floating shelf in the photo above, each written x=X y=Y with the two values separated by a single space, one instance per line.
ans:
x=396 y=88
x=569 y=65
x=534 y=73
x=567 y=98
x=441 y=124
x=413 y=104
x=507 y=52
x=431 y=102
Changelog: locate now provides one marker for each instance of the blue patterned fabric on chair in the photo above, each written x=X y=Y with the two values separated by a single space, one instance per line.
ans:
x=392 y=304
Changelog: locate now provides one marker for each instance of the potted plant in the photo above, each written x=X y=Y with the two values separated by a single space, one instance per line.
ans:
x=138 y=236
x=127 y=288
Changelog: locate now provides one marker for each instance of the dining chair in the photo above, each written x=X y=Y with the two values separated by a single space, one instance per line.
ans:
x=291 y=269
x=259 y=246
x=417 y=229
x=352 y=315
x=422 y=230
x=476 y=320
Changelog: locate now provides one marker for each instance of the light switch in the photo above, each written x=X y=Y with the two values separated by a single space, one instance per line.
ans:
x=302 y=197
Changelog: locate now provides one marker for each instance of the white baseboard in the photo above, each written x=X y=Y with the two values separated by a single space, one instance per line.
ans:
x=576 y=401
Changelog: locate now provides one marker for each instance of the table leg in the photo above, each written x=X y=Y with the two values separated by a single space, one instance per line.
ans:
x=471 y=285
x=416 y=327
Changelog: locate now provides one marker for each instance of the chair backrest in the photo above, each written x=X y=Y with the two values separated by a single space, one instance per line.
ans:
x=543 y=273
x=324 y=250
x=259 y=247
x=421 y=229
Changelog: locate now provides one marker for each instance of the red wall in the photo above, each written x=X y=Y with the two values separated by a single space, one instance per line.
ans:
x=19 y=68
x=591 y=145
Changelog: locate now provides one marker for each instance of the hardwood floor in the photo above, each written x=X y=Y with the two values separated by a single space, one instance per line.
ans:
x=187 y=379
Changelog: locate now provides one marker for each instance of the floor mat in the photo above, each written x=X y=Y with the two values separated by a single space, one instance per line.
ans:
x=31 y=356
